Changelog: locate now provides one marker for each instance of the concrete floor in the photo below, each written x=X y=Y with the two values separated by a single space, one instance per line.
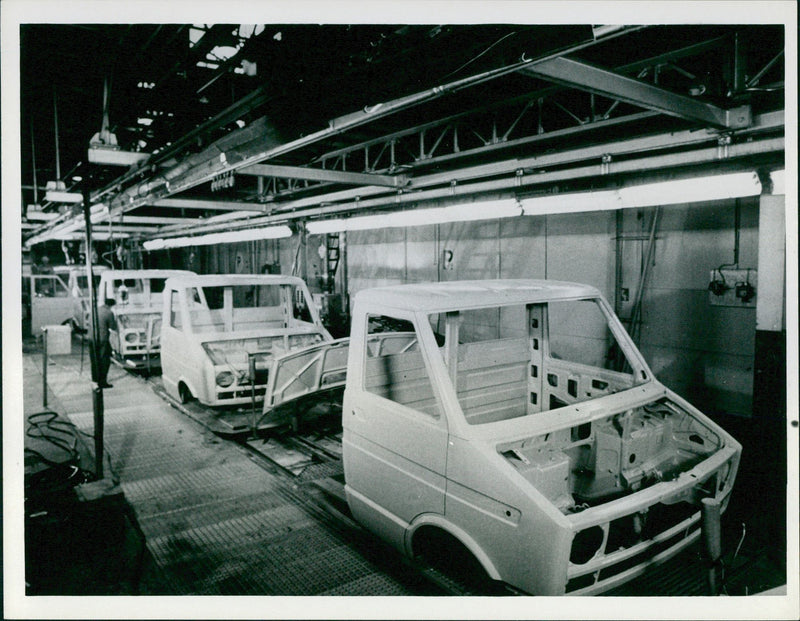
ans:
x=213 y=520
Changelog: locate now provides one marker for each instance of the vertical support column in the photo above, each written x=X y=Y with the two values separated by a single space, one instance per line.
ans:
x=94 y=353
x=453 y=319
x=304 y=246
x=99 y=424
x=771 y=300
x=535 y=319
x=618 y=241
x=766 y=450
x=345 y=284
x=44 y=369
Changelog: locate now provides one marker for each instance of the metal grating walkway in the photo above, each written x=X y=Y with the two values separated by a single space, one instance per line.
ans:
x=214 y=521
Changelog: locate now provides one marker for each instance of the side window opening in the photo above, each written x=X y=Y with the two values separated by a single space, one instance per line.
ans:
x=394 y=366
x=175 y=310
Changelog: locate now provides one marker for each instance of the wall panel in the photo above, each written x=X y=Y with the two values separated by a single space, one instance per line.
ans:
x=702 y=351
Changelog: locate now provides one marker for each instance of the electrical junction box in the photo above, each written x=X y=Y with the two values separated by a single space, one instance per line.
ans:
x=733 y=287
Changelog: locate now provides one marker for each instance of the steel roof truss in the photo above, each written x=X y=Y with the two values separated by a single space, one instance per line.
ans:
x=600 y=81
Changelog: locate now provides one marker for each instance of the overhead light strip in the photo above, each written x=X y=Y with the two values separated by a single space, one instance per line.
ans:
x=673 y=192
x=485 y=210
x=698 y=189
x=229 y=237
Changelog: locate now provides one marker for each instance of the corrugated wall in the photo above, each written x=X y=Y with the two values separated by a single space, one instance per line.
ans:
x=704 y=352
x=701 y=350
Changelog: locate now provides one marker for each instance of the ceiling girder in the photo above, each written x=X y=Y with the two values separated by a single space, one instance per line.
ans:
x=322 y=174
x=199 y=169
x=133 y=220
x=540 y=94
x=600 y=81
x=698 y=147
x=702 y=155
x=194 y=203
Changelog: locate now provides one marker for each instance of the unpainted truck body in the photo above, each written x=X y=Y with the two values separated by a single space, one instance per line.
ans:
x=219 y=334
x=519 y=419
x=78 y=285
x=45 y=302
x=138 y=308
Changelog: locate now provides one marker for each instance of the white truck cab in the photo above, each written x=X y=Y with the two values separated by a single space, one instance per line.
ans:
x=138 y=297
x=45 y=301
x=78 y=285
x=219 y=334
x=517 y=420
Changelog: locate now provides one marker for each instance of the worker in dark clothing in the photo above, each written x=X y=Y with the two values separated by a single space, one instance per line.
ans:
x=43 y=267
x=105 y=322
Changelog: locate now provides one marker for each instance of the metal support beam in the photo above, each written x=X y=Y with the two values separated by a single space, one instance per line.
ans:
x=132 y=220
x=699 y=155
x=319 y=174
x=191 y=203
x=587 y=77
x=117 y=229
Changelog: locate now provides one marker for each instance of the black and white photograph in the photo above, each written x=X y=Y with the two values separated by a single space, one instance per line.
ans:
x=377 y=310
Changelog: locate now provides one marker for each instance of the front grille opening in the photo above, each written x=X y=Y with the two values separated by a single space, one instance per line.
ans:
x=581 y=582
x=635 y=560
x=629 y=530
x=622 y=533
x=662 y=517
x=240 y=394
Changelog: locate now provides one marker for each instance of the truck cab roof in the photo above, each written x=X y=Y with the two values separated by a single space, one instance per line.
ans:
x=467 y=294
x=149 y=273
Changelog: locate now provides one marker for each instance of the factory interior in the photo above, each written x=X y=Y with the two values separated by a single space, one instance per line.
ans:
x=402 y=307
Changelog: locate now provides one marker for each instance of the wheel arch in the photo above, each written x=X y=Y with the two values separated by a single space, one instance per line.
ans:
x=435 y=522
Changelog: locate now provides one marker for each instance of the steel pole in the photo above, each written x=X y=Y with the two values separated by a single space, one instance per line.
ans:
x=44 y=368
x=711 y=509
x=97 y=392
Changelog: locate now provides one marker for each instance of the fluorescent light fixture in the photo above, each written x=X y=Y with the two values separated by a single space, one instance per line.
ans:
x=778 y=181
x=571 y=203
x=486 y=210
x=100 y=213
x=115 y=157
x=35 y=212
x=54 y=196
x=96 y=236
x=229 y=237
x=693 y=190
x=144 y=120
x=223 y=52
x=672 y=192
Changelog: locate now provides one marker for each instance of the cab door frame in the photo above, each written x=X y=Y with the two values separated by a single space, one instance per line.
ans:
x=395 y=457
